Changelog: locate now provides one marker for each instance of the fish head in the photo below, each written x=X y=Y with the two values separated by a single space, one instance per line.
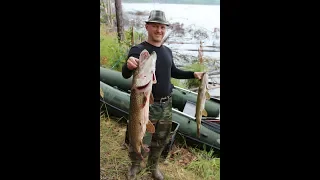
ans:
x=146 y=76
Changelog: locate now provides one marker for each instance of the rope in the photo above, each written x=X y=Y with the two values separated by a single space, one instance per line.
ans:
x=117 y=62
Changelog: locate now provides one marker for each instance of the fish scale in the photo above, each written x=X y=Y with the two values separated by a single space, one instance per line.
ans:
x=203 y=95
x=140 y=98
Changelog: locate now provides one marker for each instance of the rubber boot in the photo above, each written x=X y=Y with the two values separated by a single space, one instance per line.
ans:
x=153 y=161
x=156 y=173
x=135 y=166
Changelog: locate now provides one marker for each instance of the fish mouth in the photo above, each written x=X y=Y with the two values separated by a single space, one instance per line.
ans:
x=144 y=86
x=153 y=80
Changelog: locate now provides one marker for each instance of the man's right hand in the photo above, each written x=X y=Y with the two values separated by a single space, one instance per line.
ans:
x=132 y=63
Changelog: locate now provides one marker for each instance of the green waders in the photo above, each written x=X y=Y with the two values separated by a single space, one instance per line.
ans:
x=160 y=115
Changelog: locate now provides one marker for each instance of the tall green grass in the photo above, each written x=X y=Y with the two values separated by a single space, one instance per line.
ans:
x=190 y=83
x=195 y=67
x=114 y=160
x=112 y=53
x=179 y=83
x=137 y=36
x=205 y=166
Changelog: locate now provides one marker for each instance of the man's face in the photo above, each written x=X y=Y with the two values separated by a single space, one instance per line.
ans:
x=156 y=31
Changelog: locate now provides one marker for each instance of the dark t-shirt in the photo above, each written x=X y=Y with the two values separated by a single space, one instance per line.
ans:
x=165 y=68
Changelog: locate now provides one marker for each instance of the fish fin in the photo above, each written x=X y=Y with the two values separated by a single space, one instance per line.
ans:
x=209 y=87
x=150 y=127
x=140 y=153
x=207 y=95
x=151 y=100
x=145 y=148
x=204 y=112
x=154 y=79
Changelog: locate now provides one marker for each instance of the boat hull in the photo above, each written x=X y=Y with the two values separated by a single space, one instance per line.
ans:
x=180 y=96
x=117 y=103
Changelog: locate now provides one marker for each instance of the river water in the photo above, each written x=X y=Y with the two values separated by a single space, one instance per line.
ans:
x=204 y=17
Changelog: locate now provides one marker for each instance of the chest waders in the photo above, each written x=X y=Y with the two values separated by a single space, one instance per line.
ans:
x=160 y=114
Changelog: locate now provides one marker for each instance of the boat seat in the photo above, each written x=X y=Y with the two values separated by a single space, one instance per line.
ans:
x=190 y=108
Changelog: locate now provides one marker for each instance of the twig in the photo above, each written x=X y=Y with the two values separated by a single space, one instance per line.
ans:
x=107 y=112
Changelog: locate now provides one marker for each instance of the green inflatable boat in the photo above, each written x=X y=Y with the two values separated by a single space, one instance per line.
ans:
x=180 y=96
x=116 y=100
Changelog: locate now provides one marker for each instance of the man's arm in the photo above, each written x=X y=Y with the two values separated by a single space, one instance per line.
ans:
x=131 y=63
x=126 y=72
x=180 y=74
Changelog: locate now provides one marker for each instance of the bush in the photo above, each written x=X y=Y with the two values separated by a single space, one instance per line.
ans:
x=112 y=53
x=138 y=37
x=196 y=67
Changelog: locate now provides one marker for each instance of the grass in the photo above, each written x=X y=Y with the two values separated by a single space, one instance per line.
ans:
x=179 y=82
x=190 y=83
x=112 y=53
x=113 y=160
x=182 y=163
x=205 y=166
x=196 y=67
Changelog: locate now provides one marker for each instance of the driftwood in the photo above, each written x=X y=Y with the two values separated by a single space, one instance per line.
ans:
x=204 y=50
x=214 y=73
x=175 y=42
x=210 y=87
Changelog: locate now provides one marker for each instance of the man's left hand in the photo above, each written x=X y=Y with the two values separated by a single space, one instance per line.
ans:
x=198 y=75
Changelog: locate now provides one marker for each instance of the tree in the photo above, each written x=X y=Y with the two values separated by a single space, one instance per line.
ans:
x=119 y=18
x=106 y=6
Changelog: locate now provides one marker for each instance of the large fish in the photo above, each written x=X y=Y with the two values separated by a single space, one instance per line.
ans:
x=141 y=96
x=203 y=95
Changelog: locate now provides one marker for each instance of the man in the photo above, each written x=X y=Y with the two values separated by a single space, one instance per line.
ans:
x=160 y=113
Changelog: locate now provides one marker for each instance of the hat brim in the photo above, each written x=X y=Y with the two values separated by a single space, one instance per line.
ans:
x=160 y=22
